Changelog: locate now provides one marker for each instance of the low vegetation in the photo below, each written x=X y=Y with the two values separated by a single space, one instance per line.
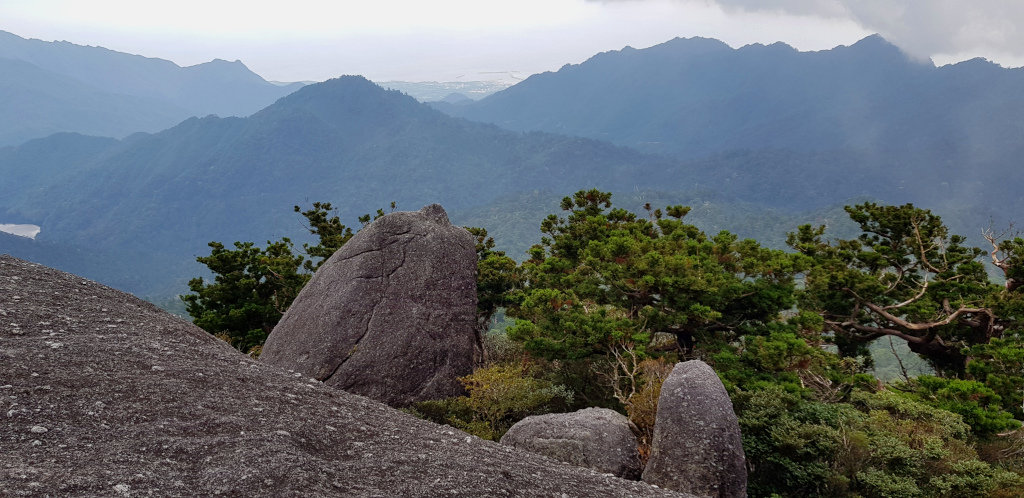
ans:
x=609 y=300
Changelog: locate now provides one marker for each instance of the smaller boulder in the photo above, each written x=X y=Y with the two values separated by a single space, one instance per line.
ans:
x=697 y=447
x=594 y=438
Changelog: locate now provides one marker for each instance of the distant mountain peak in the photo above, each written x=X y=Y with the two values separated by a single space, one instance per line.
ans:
x=676 y=48
x=777 y=46
x=349 y=96
x=455 y=97
x=343 y=84
x=874 y=42
x=692 y=45
x=877 y=47
x=348 y=88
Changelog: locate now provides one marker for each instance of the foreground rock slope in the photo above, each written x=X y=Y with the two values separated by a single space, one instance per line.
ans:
x=105 y=395
x=391 y=315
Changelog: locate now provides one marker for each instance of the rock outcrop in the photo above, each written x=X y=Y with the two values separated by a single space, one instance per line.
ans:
x=391 y=315
x=106 y=395
x=697 y=446
x=595 y=438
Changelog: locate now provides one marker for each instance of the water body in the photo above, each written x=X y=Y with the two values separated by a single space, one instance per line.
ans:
x=430 y=91
x=29 y=231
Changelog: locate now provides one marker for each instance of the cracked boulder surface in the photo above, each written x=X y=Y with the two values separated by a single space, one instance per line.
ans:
x=104 y=394
x=391 y=315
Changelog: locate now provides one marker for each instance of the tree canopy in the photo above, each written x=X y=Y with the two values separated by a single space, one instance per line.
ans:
x=603 y=278
x=252 y=287
x=907 y=277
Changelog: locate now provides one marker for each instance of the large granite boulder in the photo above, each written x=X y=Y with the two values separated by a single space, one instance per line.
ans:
x=391 y=316
x=105 y=394
x=697 y=446
x=595 y=438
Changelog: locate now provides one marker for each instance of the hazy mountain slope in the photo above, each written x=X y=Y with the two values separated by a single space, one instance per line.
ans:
x=36 y=103
x=26 y=169
x=60 y=86
x=347 y=141
x=794 y=130
x=141 y=272
x=694 y=97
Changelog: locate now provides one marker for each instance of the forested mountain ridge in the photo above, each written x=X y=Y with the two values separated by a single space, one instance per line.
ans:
x=359 y=146
x=345 y=140
x=794 y=130
x=60 y=86
x=695 y=97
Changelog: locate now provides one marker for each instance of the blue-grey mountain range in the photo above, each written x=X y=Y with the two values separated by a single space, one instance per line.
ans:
x=759 y=133
x=695 y=97
x=49 y=87
x=346 y=141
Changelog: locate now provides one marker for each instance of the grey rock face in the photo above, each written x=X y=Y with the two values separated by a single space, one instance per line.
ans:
x=77 y=358
x=391 y=316
x=595 y=438
x=697 y=446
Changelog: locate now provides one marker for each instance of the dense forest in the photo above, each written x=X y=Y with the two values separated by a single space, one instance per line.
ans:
x=610 y=299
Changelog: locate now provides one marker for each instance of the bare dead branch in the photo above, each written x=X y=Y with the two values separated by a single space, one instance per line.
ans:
x=920 y=245
x=994 y=240
x=924 y=288
x=919 y=326
x=876 y=332
x=903 y=369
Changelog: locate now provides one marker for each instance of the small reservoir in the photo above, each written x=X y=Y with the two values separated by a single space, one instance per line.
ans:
x=29 y=231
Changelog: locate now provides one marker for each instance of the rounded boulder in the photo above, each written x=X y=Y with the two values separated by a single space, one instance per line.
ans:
x=697 y=447
x=595 y=438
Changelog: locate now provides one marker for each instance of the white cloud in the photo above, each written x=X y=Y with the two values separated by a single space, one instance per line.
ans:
x=946 y=30
x=311 y=17
x=444 y=39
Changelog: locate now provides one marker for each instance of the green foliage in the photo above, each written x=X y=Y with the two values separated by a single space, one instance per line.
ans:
x=999 y=364
x=497 y=276
x=879 y=444
x=328 y=228
x=254 y=286
x=980 y=406
x=971 y=478
x=501 y=349
x=496 y=398
x=251 y=290
x=789 y=354
x=602 y=277
x=906 y=276
x=791 y=445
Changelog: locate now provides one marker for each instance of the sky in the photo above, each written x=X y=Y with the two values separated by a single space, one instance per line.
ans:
x=460 y=40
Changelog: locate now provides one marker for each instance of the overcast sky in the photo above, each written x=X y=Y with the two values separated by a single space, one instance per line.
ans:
x=448 y=40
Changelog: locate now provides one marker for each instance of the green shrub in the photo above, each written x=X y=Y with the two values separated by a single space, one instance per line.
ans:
x=971 y=478
x=496 y=398
x=980 y=406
